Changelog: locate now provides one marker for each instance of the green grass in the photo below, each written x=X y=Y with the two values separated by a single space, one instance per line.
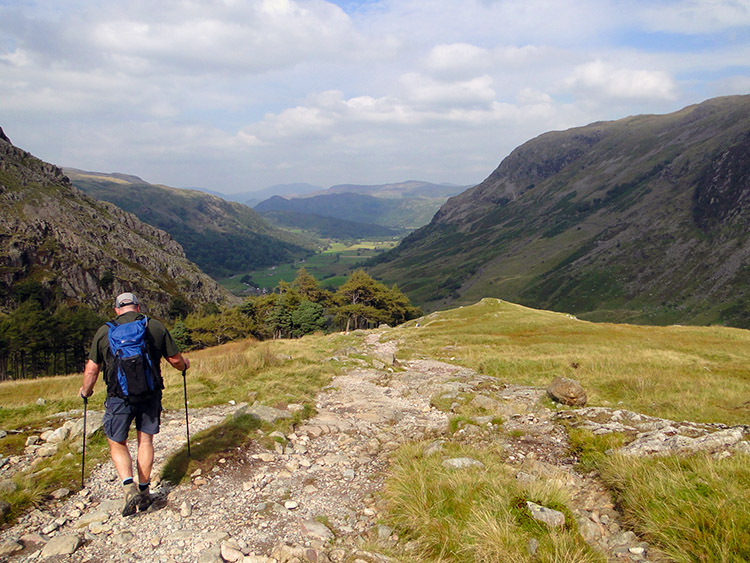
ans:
x=696 y=508
x=477 y=514
x=54 y=472
x=330 y=267
x=676 y=372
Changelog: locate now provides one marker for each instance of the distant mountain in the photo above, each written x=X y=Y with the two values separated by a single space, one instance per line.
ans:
x=82 y=250
x=284 y=190
x=409 y=205
x=410 y=189
x=222 y=237
x=329 y=227
x=643 y=219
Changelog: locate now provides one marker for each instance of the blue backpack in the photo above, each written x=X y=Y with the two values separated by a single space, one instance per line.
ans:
x=131 y=362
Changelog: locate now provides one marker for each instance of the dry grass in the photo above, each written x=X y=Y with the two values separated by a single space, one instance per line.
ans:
x=478 y=514
x=677 y=372
x=694 y=508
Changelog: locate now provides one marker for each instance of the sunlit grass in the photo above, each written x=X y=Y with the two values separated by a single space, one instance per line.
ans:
x=476 y=514
x=694 y=508
x=677 y=372
x=274 y=373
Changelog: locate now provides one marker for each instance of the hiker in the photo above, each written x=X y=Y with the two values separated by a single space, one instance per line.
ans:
x=133 y=393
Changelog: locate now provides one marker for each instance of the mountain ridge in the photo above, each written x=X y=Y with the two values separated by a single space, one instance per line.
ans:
x=83 y=251
x=222 y=237
x=641 y=219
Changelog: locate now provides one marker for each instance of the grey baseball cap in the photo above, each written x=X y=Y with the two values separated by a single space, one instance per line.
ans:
x=125 y=299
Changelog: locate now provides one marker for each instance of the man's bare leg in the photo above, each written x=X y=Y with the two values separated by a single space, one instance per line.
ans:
x=145 y=460
x=121 y=459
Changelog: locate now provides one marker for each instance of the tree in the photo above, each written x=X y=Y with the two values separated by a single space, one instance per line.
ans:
x=308 y=288
x=362 y=302
x=178 y=307
x=308 y=318
x=356 y=300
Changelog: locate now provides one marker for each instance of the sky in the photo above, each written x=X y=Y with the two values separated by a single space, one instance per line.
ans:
x=239 y=95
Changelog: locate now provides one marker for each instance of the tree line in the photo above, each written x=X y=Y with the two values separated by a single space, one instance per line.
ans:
x=41 y=338
x=296 y=309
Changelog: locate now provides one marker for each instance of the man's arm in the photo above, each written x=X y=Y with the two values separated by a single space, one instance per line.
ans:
x=90 y=374
x=179 y=362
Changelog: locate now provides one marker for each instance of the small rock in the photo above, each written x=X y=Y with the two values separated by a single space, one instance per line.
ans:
x=9 y=546
x=60 y=493
x=186 y=509
x=8 y=486
x=461 y=463
x=316 y=530
x=211 y=555
x=61 y=545
x=123 y=538
x=57 y=436
x=230 y=553
x=548 y=516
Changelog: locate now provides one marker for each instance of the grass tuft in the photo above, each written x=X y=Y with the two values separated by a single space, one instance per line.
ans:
x=475 y=515
x=694 y=508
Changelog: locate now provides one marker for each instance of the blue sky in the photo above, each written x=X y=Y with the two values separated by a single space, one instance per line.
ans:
x=238 y=95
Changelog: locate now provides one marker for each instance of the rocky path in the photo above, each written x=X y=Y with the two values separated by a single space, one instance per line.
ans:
x=315 y=497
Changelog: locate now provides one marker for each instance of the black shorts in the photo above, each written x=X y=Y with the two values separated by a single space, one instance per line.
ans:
x=118 y=414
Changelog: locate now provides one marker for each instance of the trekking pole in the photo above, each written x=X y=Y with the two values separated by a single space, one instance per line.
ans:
x=187 y=421
x=83 y=455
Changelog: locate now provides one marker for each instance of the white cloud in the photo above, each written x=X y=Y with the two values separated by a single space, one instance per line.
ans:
x=696 y=16
x=234 y=94
x=422 y=89
x=458 y=60
x=605 y=79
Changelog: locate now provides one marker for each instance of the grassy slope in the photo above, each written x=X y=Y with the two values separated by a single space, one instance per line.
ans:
x=610 y=234
x=692 y=373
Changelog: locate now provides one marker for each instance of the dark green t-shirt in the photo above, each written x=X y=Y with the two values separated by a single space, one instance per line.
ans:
x=160 y=345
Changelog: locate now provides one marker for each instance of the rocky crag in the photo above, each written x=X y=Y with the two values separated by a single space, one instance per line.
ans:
x=315 y=497
x=641 y=219
x=82 y=250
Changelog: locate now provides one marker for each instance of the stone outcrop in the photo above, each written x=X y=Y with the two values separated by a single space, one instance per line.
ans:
x=84 y=250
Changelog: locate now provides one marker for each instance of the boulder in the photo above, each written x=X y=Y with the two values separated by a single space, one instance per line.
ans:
x=548 y=516
x=567 y=391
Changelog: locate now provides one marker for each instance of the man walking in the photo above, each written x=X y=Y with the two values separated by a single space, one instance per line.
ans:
x=121 y=408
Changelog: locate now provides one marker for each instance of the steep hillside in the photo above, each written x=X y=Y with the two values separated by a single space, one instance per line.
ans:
x=222 y=237
x=642 y=219
x=83 y=250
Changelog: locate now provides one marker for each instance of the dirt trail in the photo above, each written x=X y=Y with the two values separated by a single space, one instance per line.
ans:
x=315 y=497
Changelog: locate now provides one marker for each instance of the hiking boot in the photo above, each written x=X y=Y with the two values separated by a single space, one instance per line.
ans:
x=130 y=502
x=144 y=500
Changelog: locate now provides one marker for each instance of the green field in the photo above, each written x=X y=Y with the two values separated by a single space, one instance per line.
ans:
x=330 y=267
